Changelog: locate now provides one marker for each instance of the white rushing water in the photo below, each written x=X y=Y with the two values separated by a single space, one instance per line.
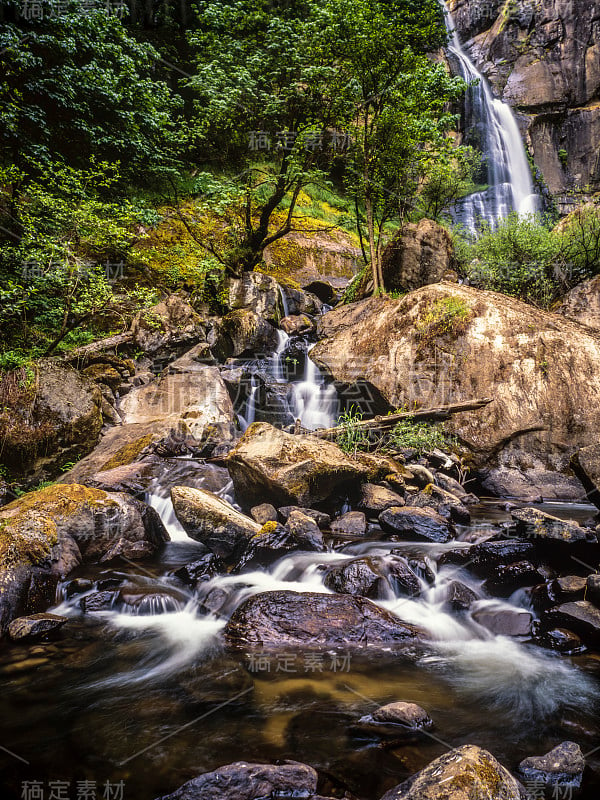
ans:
x=509 y=181
x=315 y=403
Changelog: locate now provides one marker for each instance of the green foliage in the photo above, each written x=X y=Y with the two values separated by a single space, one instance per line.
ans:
x=445 y=317
x=351 y=438
x=563 y=157
x=420 y=436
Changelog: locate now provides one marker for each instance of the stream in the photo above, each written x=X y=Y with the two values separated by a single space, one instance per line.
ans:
x=149 y=695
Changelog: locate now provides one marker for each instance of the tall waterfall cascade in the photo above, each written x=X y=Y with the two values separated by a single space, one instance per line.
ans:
x=493 y=125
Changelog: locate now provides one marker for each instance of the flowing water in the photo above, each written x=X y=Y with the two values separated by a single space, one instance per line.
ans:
x=491 y=127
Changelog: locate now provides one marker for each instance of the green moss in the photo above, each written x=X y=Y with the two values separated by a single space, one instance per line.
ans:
x=267 y=528
x=128 y=453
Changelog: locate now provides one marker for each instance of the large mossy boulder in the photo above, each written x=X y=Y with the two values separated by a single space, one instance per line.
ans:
x=465 y=773
x=46 y=534
x=170 y=326
x=48 y=417
x=268 y=464
x=446 y=343
x=213 y=521
x=289 y=619
x=259 y=292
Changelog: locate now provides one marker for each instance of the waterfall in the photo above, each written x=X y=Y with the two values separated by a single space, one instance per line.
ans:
x=275 y=361
x=509 y=182
x=315 y=404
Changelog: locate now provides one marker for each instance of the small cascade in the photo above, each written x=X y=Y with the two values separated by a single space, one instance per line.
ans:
x=284 y=302
x=248 y=417
x=497 y=135
x=314 y=402
x=276 y=360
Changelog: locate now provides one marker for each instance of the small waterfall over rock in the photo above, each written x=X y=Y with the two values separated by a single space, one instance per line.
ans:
x=315 y=403
x=491 y=126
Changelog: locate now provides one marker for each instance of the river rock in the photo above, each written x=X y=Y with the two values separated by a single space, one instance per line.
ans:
x=398 y=720
x=375 y=499
x=586 y=465
x=508 y=577
x=539 y=525
x=287 y=619
x=169 y=327
x=360 y=577
x=323 y=520
x=245 y=781
x=273 y=541
x=35 y=626
x=203 y=569
x=420 y=524
x=445 y=503
x=451 y=485
x=57 y=420
x=264 y=513
x=504 y=622
x=211 y=520
x=352 y=523
x=562 y=767
x=299 y=325
x=289 y=469
x=561 y=640
x=568 y=587
x=243 y=332
x=593 y=589
x=580 y=616
x=535 y=365
x=459 y=597
x=466 y=773
x=421 y=475
x=486 y=557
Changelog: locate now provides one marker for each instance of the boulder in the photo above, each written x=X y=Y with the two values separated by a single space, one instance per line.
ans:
x=445 y=503
x=504 y=622
x=459 y=597
x=446 y=343
x=416 y=524
x=375 y=499
x=560 y=770
x=35 y=626
x=244 y=781
x=352 y=523
x=419 y=254
x=582 y=303
x=259 y=292
x=46 y=534
x=485 y=558
x=586 y=465
x=57 y=419
x=362 y=577
x=466 y=773
x=593 y=589
x=286 y=468
x=568 y=587
x=243 y=332
x=273 y=541
x=508 y=577
x=561 y=640
x=193 y=402
x=200 y=570
x=288 y=619
x=298 y=325
x=531 y=522
x=580 y=616
x=211 y=520
x=170 y=326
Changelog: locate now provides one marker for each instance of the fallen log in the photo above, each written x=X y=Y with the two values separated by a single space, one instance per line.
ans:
x=380 y=423
x=92 y=349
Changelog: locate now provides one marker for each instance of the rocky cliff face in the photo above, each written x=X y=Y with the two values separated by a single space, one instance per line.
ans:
x=543 y=58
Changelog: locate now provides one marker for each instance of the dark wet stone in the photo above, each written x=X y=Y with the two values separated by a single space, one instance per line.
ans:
x=353 y=523
x=531 y=522
x=459 y=597
x=569 y=587
x=360 y=577
x=35 y=626
x=148 y=599
x=274 y=541
x=593 y=589
x=402 y=578
x=322 y=520
x=561 y=640
x=505 y=622
x=540 y=597
x=203 y=569
x=283 y=618
x=580 y=616
x=508 y=577
x=397 y=720
x=264 y=513
x=562 y=767
x=244 y=781
x=416 y=524
x=98 y=601
x=422 y=566
x=487 y=556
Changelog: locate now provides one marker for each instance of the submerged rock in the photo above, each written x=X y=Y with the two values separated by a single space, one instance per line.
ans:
x=35 y=626
x=244 y=781
x=211 y=520
x=465 y=773
x=286 y=619
x=398 y=720
x=420 y=524
x=286 y=468
x=560 y=770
